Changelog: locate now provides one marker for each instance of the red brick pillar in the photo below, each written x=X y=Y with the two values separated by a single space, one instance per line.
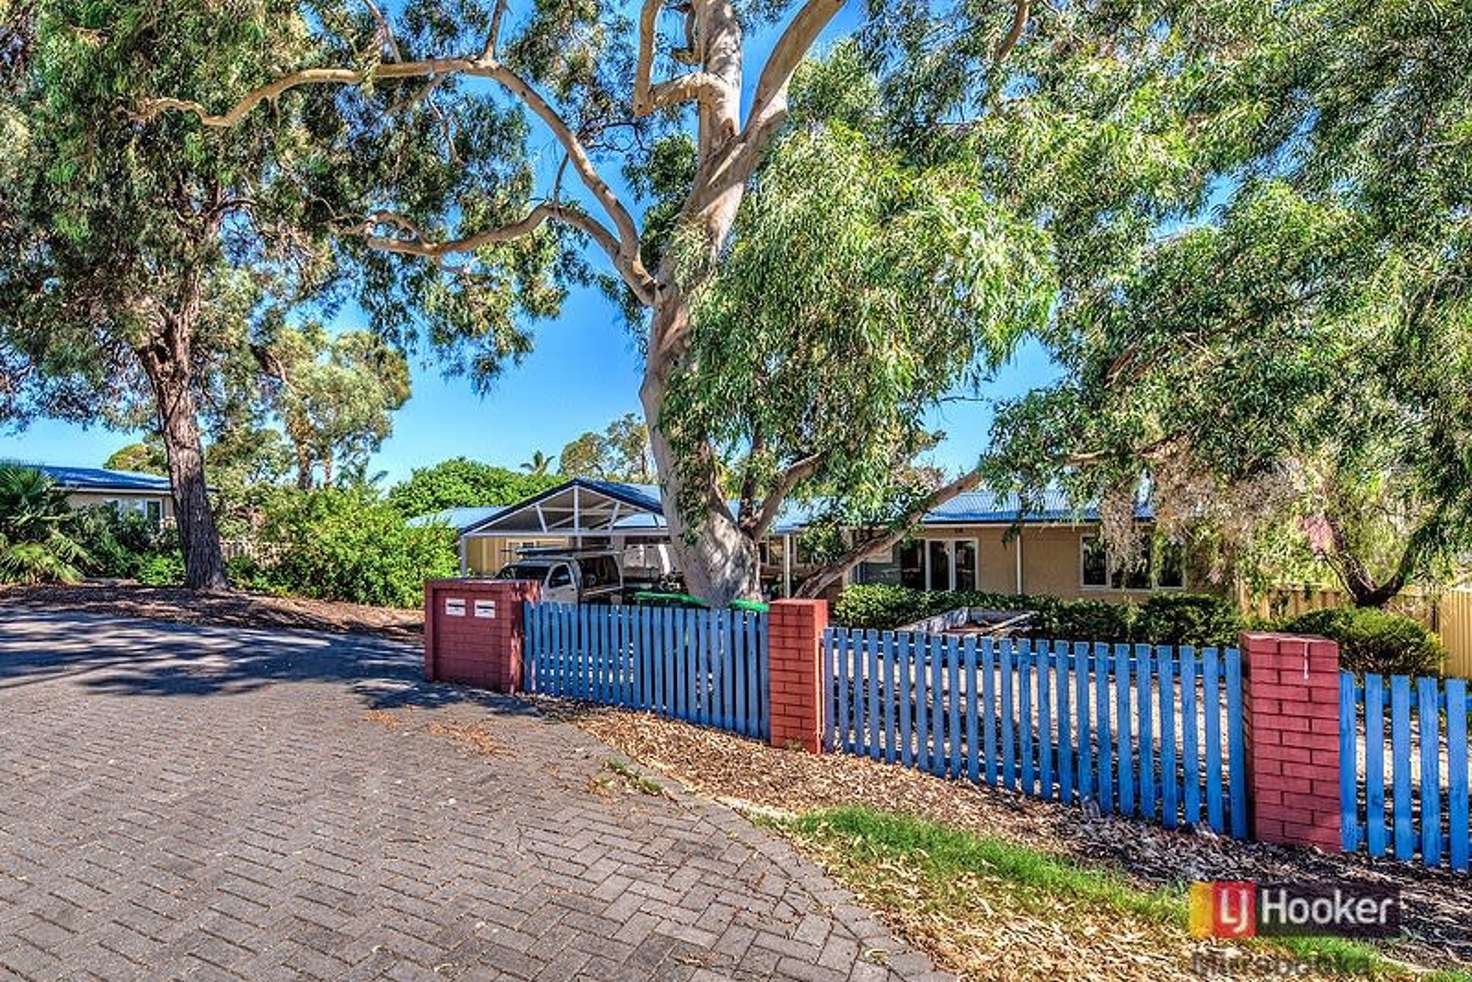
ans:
x=473 y=631
x=795 y=672
x=1290 y=707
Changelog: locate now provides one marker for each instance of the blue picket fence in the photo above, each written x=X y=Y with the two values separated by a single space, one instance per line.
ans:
x=1138 y=730
x=1424 y=810
x=703 y=666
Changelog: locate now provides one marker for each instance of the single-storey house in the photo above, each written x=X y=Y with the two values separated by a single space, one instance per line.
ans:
x=974 y=541
x=127 y=491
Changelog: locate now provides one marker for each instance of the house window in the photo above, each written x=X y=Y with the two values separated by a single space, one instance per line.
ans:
x=1095 y=564
x=912 y=565
x=1170 y=567
x=923 y=564
x=113 y=505
x=1160 y=568
x=880 y=569
x=153 y=509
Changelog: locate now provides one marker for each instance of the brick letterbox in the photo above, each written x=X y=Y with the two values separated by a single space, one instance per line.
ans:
x=473 y=631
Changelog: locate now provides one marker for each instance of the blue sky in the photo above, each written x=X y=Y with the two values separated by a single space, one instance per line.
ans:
x=582 y=374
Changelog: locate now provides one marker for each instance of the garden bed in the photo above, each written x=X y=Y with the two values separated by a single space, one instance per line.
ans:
x=232 y=608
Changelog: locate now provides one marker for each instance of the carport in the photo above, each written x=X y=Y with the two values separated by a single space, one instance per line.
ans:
x=586 y=512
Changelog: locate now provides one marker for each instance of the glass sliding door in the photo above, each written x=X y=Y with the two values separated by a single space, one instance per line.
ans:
x=938 y=564
x=963 y=566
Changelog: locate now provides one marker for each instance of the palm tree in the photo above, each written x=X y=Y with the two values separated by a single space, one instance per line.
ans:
x=539 y=464
x=35 y=523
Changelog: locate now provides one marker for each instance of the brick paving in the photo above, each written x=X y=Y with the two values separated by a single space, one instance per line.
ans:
x=192 y=802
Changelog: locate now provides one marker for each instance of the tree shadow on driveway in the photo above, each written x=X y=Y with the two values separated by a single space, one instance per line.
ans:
x=130 y=657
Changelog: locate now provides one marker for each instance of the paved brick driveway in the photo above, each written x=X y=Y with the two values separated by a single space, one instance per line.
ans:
x=178 y=801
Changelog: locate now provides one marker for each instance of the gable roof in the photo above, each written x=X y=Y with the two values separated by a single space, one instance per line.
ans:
x=99 y=478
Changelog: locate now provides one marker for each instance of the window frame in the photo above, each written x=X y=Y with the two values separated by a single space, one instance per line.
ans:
x=1154 y=585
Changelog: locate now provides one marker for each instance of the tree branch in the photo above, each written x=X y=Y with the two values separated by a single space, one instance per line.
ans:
x=626 y=253
x=419 y=242
x=1014 y=33
x=757 y=525
x=818 y=581
x=493 y=36
x=385 y=33
x=771 y=88
x=701 y=87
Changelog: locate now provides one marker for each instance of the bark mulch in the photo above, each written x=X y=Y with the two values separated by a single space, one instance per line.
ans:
x=231 y=608
x=751 y=775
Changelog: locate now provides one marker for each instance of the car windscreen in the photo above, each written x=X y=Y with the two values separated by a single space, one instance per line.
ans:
x=523 y=571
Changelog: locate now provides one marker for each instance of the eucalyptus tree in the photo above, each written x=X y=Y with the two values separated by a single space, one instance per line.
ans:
x=335 y=395
x=684 y=110
x=137 y=254
x=619 y=453
x=1259 y=217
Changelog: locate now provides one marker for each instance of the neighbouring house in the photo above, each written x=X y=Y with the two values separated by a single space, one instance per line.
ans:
x=973 y=542
x=126 y=491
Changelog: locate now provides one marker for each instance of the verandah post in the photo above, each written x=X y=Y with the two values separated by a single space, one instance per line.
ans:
x=1290 y=722
x=795 y=673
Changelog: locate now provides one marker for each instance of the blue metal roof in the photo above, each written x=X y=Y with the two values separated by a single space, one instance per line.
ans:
x=459 y=519
x=967 y=508
x=644 y=496
x=99 y=478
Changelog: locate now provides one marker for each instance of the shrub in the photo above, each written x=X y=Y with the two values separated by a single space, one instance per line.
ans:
x=161 y=569
x=1374 y=641
x=1188 y=618
x=248 y=574
x=37 y=544
x=883 y=606
x=121 y=545
x=343 y=544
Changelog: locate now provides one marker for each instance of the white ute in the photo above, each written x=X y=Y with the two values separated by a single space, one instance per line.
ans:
x=570 y=576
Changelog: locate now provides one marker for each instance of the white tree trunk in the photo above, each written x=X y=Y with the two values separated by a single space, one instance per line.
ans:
x=718 y=561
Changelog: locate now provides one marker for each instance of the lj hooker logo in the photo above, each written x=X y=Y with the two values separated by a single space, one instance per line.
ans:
x=1241 y=909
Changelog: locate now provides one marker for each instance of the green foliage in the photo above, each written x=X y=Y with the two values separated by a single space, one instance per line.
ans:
x=143 y=457
x=248 y=574
x=336 y=395
x=1166 y=618
x=37 y=540
x=1258 y=214
x=344 y=544
x=121 y=544
x=462 y=483
x=1183 y=618
x=162 y=569
x=619 y=453
x=1374 y=641
x=858 y=290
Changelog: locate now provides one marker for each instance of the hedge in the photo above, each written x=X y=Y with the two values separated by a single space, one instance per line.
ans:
x=1375 y=641
x=1370 y=640
x=1173 y=618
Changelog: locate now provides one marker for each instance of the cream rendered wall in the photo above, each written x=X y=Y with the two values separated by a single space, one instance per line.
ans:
x=486 y=556
x=1051 y=560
